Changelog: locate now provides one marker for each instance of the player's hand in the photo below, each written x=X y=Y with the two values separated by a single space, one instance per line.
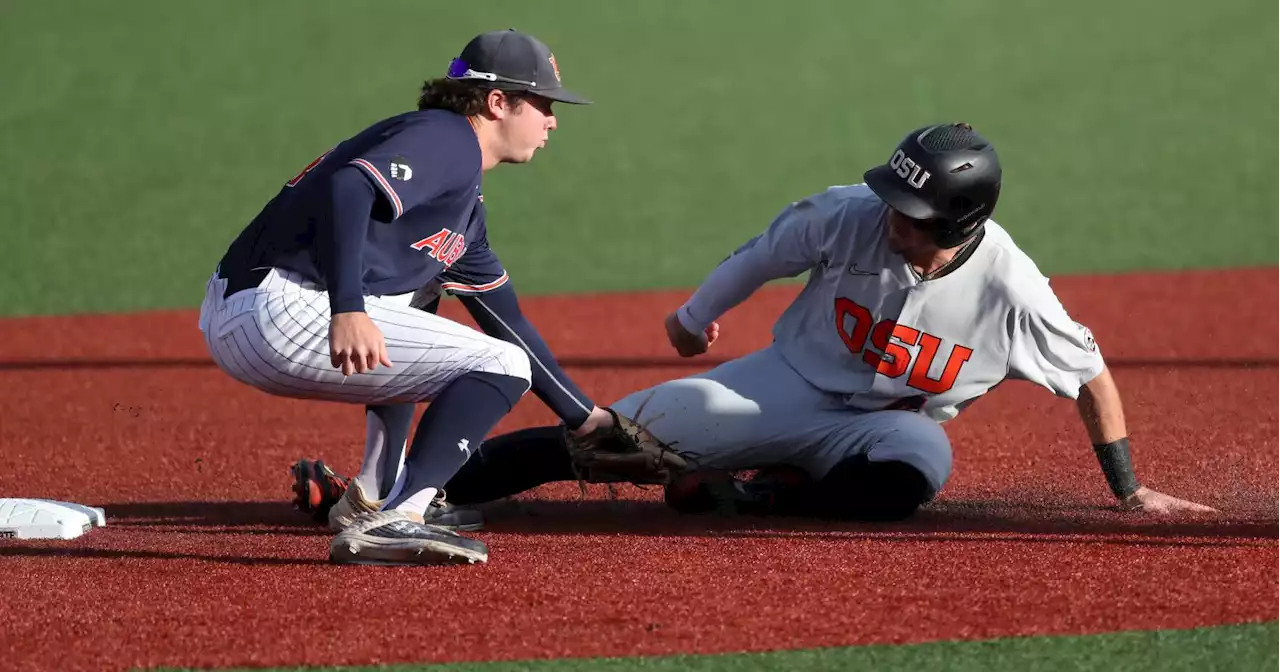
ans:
x=355 y=343
x=1147 y=500
x=598 y=419
x=689 y=344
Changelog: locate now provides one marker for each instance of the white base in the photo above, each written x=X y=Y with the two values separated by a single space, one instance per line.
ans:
x=47 y=519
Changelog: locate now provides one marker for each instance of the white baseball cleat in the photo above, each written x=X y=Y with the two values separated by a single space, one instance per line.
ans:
x=352 y=505
x=401 y=538
x=440 y=513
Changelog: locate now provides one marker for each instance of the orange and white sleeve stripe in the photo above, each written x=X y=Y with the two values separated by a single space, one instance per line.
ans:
x=382 y=183
x=463 y=288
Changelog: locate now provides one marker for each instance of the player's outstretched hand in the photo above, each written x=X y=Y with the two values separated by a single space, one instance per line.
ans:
x=355 y=343
x=1147 y=500
x=689 y=344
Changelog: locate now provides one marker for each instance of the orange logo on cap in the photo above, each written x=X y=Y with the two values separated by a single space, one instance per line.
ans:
x=555 y=68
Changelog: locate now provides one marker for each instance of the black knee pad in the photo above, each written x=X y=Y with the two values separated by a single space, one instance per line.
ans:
x=859 y=489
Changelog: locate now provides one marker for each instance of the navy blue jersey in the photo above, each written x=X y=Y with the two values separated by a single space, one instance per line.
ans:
x=384 y=212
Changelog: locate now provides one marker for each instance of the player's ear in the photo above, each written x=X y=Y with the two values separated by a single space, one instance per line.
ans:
x=498 y=104
x=493 y=104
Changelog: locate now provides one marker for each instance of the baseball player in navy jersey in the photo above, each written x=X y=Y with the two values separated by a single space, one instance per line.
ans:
x=329 y=294
x=916 y=305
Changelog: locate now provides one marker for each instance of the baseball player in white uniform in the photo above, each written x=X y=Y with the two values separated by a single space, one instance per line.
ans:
x=917 y=304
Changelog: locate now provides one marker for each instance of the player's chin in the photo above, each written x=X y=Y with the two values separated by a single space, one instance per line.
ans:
x=522 y=157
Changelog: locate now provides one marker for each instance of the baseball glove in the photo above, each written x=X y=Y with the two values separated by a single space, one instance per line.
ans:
x=623 y=453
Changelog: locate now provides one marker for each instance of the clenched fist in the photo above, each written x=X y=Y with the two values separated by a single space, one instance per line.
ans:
x=689 y=344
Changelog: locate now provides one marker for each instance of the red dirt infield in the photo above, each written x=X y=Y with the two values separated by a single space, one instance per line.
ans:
x=203 y=563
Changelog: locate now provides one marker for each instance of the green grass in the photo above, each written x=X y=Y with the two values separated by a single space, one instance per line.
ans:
x=138 y=137
x=1239 y=647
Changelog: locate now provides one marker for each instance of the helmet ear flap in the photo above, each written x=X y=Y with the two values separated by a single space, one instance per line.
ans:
x=954 y=232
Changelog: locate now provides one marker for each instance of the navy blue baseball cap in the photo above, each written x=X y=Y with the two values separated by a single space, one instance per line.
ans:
x=513 y=61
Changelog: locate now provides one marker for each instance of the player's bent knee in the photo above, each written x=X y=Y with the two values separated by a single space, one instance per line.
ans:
x=510 y=360
x=860 y=489
x=919 y=441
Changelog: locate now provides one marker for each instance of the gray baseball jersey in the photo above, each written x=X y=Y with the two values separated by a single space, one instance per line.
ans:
x=866 y=327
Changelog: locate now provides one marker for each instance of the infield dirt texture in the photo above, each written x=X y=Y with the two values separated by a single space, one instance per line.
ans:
x=203 y=563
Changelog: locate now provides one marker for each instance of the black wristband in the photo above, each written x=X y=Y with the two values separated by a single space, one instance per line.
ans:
x=1117 y=467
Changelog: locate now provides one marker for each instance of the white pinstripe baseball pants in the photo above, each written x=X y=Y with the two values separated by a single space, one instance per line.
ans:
x=275 y=337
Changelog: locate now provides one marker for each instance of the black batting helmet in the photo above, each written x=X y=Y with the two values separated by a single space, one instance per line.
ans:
x=947 y=176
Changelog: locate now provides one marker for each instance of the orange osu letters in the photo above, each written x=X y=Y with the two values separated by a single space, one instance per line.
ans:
x=893 y=360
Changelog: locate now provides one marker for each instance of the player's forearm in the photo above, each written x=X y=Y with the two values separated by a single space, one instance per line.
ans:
x=498 y=314
x=1103 y=415
x=1101 y=409
x=340 y=241
x=728 y=285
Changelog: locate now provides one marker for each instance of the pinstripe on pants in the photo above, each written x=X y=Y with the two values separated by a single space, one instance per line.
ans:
x=275 y=337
